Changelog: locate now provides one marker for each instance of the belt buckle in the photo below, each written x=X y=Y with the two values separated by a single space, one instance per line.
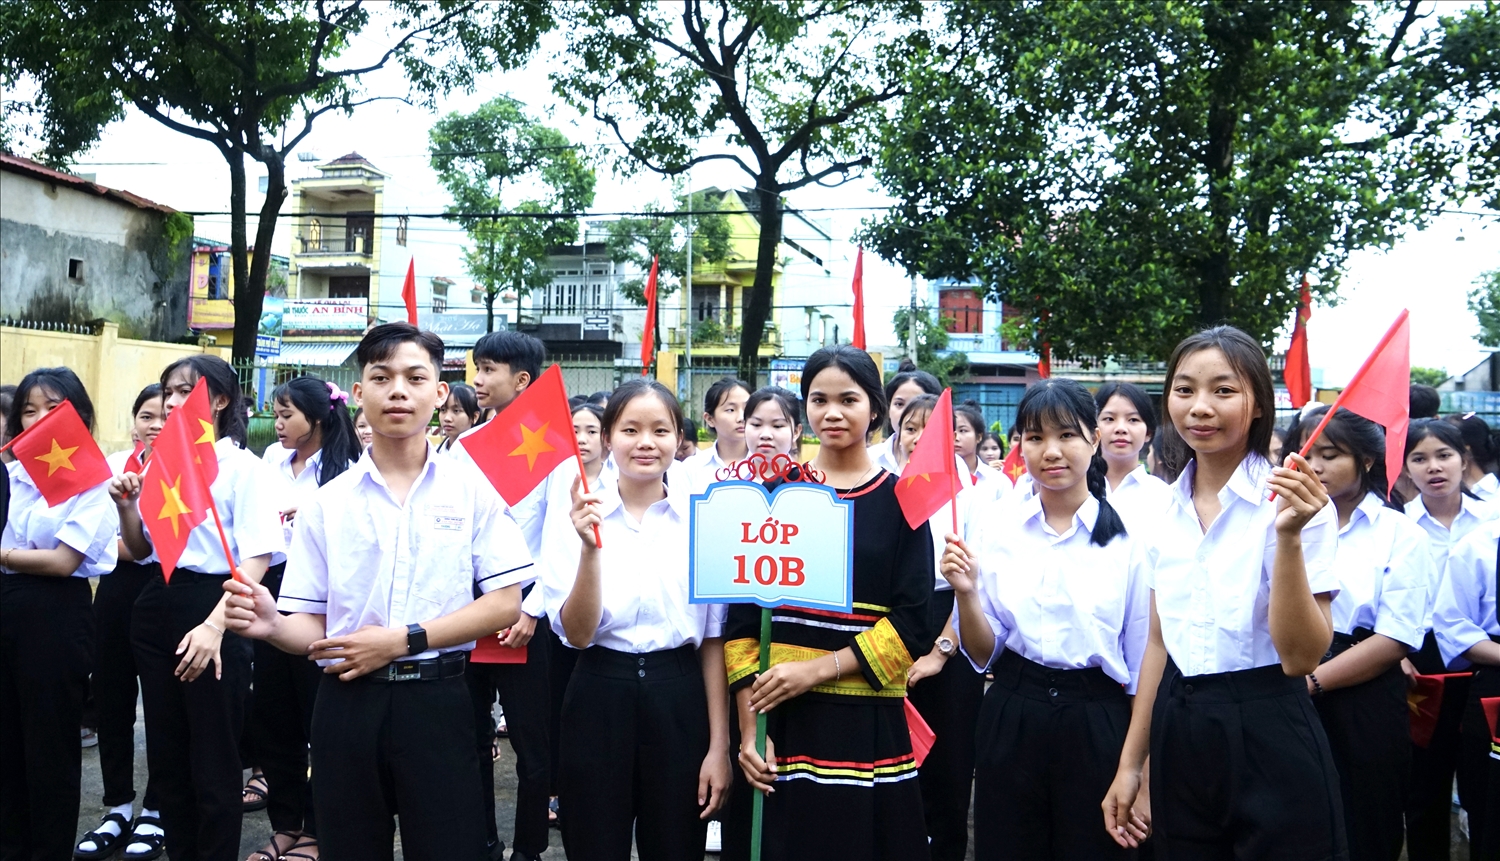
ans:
x=413 y=673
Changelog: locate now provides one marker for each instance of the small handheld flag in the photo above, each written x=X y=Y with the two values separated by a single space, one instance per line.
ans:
x=175 y=494
x=1013 y=466
x=859 y=299
x=931 y=474
x=1298 y=373
x=648 y=337
x=409 y=291
x=60 y=455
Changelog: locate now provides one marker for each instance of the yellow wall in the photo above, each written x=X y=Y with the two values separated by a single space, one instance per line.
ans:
x=113 y=369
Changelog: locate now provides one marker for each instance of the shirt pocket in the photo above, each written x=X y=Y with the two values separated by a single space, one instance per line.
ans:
x=443 y=557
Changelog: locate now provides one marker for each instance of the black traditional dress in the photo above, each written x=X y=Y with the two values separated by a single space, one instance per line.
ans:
x=846 y=781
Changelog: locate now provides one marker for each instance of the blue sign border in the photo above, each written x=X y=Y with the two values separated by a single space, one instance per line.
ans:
x=697 y=498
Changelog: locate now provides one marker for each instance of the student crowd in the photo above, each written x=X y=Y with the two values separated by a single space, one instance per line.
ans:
x=1209 y=658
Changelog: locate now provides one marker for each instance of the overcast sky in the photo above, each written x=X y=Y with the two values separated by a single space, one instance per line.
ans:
x=1429 y=272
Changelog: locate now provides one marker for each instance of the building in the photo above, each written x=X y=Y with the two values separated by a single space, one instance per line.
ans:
x=999 y=372
x=582 y=311
x=75 y=252
x=211 y=290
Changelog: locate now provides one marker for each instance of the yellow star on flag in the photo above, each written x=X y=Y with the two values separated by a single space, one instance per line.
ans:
x=1414 y=700
x=533 y=443
x=172 y=506
x=1016 y=472
x=208 y=434
x=58 y=458
x=912 y=479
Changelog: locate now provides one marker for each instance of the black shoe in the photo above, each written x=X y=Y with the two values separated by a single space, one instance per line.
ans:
x=495 y=851
x=105 y=843
x=518 y=855
x=156 y=843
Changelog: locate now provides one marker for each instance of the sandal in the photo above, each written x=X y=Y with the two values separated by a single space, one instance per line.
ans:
x=104 y=842
x=304 y=842
x=275 y=846
x=156 y=841
x=253 y=796
x=553 y=820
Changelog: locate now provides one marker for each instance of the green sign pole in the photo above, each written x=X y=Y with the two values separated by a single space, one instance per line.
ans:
x=758 y=810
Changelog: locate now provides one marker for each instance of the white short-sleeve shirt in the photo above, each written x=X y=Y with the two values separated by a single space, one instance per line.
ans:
x=87 y=522
x=1141 y=500
x=248 y=495
x=1464 y=612
x=1213 y=589
x=1384 y=569
x=1441 y=539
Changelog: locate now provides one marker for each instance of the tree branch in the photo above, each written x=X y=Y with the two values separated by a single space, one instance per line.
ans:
x=346 y=104
x=219 y=47
x=219 y=137
x=809 y=179
x=1406 y=21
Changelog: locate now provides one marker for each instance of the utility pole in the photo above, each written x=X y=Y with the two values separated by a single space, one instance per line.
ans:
x=685 y=378
x=911 y=323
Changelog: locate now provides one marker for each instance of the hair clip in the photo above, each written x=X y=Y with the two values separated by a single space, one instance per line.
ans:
x=335 y=394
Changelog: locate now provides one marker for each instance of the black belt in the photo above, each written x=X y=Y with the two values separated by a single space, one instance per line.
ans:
x=1344 y=642
x=448 y=665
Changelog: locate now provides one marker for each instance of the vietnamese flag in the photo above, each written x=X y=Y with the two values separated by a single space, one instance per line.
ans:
x=931 y=474
x=648 y=337
x=1425 y=701
x=136 y=463
x=859 y=299
x=528 y=439
x=1380 y=391
x=409 y=291
x=197 y=418
x=175 y=495
x=60 y=455
x=1298 y=373
x=922 y=736
x=1013 y=466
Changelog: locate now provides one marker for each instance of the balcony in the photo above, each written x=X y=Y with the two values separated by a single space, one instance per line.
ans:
x=709 y=337
x=334 y=242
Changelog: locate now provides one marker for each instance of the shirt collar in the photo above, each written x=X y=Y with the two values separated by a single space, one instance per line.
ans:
x=677 y=499
x=1086 y=516
x=1247 y=482
x=364 y=468
x=1368 y=508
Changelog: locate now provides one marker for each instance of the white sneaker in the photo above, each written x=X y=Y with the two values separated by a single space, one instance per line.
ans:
x=715 y=841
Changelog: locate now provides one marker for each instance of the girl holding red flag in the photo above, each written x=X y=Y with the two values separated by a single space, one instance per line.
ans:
x=1053 y=599
x=1241 y=592
x=47 y=554
x=194 y=715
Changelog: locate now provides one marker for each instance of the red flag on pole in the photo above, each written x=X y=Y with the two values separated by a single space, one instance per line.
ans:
x=60 y=455
x=931 y=474
x=175 y=495
x=1013 y=466
x=409 y=291
x=859 y=299
x=1298 y=373
x=197 y=417
x=1380 y=391
x=648 y=337
x=1044 y=358
x=136 y=462
x=528 y=439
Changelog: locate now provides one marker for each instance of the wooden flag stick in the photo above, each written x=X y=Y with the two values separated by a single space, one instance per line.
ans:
x=583 y=477
x=234 y=570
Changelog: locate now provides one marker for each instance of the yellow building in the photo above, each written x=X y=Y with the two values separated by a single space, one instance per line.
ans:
x=715 y=307
x=211 y=290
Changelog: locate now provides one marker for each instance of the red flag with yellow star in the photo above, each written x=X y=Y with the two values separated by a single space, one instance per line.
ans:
x=175 y=493
x=60 y=455
x=931 y=474
x=528 y=439
x=1013 y=466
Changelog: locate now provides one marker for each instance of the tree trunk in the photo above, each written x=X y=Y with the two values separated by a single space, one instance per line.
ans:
x=249 y=302
x=237 y=249
x=758 y=310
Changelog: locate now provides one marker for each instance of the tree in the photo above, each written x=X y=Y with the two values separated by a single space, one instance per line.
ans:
x=1484 y=302
x=238 y=73
x=1123 y=174
x=476 y=157
x=792 y=87
x=932 y=339
x=1428 y=376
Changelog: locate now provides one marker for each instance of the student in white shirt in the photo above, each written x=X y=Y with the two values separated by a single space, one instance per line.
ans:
x=194 y=714
x=114 y=684
x=1053 y=598
x=1468 y=632
x=773 y=423
x=645 y=726
x=1479 y=441
x=724 y=414
x=1241 y=592
x=362 y=428
x=991 y=451
x=459 y=414
x=907 y=384
x=317 y=444
x=380 y=590
x=968 y=433
x=1436 y=460
x=1127 y=424
x=47 y=554
x=1379 y=616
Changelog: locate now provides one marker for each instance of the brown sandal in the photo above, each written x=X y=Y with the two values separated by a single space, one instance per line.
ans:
x=275 y=846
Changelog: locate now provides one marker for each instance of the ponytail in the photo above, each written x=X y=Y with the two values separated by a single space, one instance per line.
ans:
x=1108 y=524
x=324 y=406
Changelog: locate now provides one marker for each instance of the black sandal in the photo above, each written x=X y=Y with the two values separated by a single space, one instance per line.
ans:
x=303 y=842
x=258 y=789
x=292 y=836
x=157 y=841
x=104 y=842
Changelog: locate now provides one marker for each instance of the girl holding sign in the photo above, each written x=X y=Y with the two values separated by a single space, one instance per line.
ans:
x=1239 y=616
x=645 y=721
x=1053 y=598
x=837 y=742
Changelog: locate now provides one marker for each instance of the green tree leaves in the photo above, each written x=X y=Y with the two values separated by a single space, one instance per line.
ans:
x=1484 y=302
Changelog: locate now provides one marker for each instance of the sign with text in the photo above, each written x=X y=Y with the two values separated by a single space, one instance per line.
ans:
x=791 y=547
x=325 y=316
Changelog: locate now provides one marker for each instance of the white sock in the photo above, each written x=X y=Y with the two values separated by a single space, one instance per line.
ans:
x=145 y=828
x=109 y=826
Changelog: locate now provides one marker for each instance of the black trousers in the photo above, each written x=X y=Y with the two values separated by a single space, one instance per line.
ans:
x=115 y=683
x=1478 y=771
x=1429 y=804
x=949 y=702
x=525 y=696
x=1240 y=768
x=1369 y=734
x=1049 y=745
x=388 y=749
x=279 y=723
x=46 y=645
x=192 y=728
x=560 y=662
x=634 y=736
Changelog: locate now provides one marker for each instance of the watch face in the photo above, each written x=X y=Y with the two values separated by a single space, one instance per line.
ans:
x=945 y=645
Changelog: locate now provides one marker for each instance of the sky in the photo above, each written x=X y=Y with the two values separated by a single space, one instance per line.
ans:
x=1430 y=272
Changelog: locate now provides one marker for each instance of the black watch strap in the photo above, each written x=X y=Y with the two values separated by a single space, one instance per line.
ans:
x=416 y=639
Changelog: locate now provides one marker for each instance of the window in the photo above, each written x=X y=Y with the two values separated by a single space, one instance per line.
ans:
x=439 y=304
x=402 y=224
x=218 y=275
x=265 y=184
x=75 y=269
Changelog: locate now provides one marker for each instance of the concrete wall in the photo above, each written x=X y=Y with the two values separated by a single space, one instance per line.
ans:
x=127 y=275
x=113 y=369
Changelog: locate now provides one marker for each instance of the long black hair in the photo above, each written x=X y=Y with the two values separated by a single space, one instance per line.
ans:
x=907 y=372
x=860 y=368
x=222 y=382
x=1446 y=433
x=1248 y=362
x=468 y=401
x=1138 y=399
x=1062 y=402
x=1478 y=438
x=61 y=382
x=1355 y=436
x=315 y=399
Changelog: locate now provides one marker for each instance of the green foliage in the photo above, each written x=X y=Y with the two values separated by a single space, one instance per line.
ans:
x=498 y=159
x=1428 y=376
x=933 y=355
x=1484 y=301
x=638 y=239
x=1122 y=174
x=176 y=229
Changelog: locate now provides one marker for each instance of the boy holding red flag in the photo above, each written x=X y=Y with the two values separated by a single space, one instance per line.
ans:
x=55 y=538
x=380 y=586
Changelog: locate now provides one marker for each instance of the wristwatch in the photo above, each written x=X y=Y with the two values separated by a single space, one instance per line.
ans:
x=416 y=639
x=945 y=647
